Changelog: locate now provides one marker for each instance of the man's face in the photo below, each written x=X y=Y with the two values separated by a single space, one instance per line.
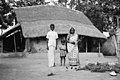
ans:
x=52 y=28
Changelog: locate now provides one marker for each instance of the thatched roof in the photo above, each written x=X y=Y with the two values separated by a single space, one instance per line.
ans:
x=35 y=21
x=9 y=30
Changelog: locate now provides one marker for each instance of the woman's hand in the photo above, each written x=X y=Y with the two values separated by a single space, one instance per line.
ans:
x=72 y=43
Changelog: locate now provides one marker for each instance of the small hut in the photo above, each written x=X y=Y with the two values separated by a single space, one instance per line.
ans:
x=112 y=45
x=35 y=21
x=11 y=39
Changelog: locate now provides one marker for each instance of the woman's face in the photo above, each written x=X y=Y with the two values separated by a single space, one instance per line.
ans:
x=72 y=31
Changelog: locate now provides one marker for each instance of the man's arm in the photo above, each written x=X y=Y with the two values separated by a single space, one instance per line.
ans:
x=56 y=43
x=47 y=45
x=56 y=40
x=47 y=36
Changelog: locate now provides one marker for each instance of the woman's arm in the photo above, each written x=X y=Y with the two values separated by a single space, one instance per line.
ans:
x=68 y=38
x=77 y=40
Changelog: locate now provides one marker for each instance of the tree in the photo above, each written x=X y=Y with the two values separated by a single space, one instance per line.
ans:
x=101 y=12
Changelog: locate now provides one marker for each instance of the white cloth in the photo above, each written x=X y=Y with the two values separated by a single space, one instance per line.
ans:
x=47 y=0
x=106 y=34
x=16 y=0
x=51 y=2
x=118 y=43
x=73 y=50
x=51 y=58
x=62 y=50
x=3 y=31
x=52 y=36
x=6 y=1
x=72 y=39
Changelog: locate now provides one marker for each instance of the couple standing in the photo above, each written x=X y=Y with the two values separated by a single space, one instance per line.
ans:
x=72 y=47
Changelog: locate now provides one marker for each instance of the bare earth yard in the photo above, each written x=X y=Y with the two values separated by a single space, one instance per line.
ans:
x=34 y=67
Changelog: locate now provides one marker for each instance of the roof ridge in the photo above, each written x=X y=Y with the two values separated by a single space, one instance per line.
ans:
x=49 y=6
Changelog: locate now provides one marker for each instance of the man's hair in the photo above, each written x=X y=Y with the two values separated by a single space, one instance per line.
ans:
x=52 y=25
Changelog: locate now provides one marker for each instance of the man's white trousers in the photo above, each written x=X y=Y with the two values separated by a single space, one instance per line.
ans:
x=51 y=56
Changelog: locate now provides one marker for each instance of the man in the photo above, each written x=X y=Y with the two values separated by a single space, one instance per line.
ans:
x=51 y=46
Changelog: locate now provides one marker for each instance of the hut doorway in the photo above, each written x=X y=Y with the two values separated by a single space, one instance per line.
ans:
x=89 y=44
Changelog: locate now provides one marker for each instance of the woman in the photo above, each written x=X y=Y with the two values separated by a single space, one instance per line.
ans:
x=72 y=47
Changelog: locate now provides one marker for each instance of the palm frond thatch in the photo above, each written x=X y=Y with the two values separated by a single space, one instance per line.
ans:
x=35 y=21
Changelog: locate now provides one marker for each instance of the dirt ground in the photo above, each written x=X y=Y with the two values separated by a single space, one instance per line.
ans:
x=34 y=67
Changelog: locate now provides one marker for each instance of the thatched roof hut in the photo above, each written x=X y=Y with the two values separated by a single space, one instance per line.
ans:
x=35 y=21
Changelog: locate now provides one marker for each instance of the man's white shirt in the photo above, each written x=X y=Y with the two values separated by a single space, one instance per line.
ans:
x=52 y=36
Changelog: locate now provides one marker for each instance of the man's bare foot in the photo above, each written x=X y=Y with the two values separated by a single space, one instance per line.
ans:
x=50 y=74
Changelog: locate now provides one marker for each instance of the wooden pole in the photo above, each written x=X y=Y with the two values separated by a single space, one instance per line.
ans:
x=99 y=46
x=21 y=43
x=1 y=41
x=2 y=46
x=118 y=24
x=86 y=46
x=15 y=43
x=27 y=45
x=118 y=39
